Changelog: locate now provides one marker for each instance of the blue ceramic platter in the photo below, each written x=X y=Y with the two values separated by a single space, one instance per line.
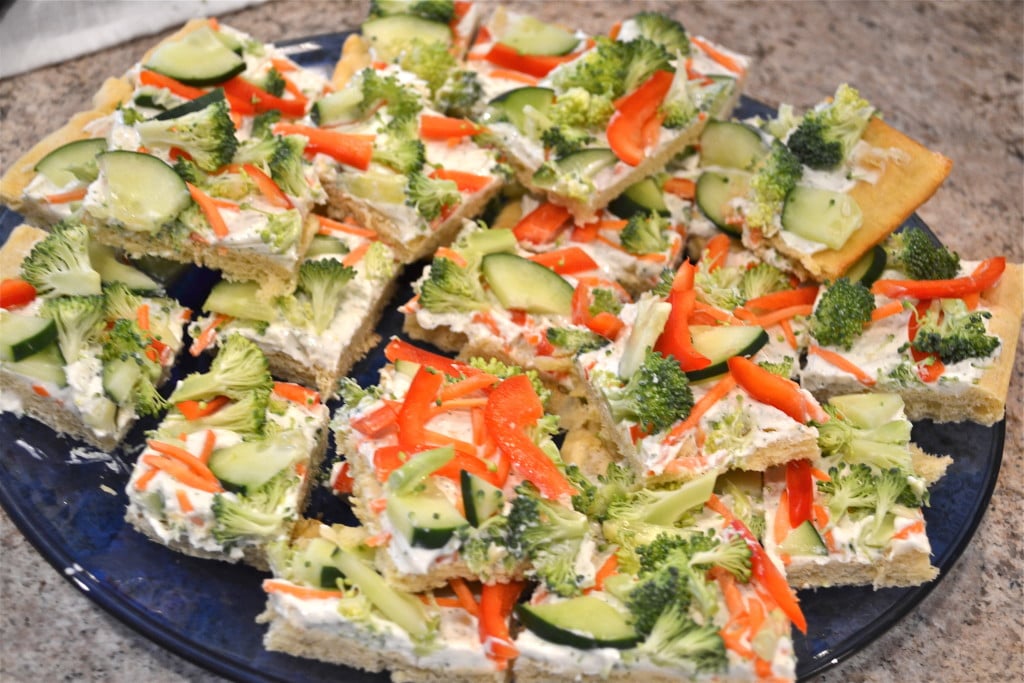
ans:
x=69 y=502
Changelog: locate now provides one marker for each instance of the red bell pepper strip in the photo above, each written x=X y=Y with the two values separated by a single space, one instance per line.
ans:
x=782 y=393
x=375 y=422
x=800 y=490
x=604 y=323
x=626 y=127
x=542 y=224
x=536 y=65
x=716 y=251
x=496 y=603
x=398 y=349
x=240 y=89
x=684 y=277
x=784 y=299
x=415 y=410
x=445 y=127
x=351 y=149
x=157 y=80
x=469 y=183
x=15 y=292
x=984 y=277
x=566 y=261
x=675 y=340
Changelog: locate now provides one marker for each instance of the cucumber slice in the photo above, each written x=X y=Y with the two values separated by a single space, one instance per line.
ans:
x=719 y=343
x=821 y=216
x=869 y=411
x=24 y=335
x=512 y=104
x=378 y=186
x=45 y=366
x=144 y=192
x=521 y=284
x=804 y=540
x=731 y=144
x=424 y=518
x=645 y=196
x=531 y=36
x=405 y=479
x=714 y=193
x=199 y=58
x=407 y=368
x=250 y=464
x=584 y=622
x=586 y=162
x=105 y=262
x=240 y=300
x=73 y=161
x=315 y=564
x=230 y=42
x=323 y=245
x=192 y=106
x=481 y=499
x=338 y=107
x=120 y=376
x=389 y=36
x=493 y=241
x=868 y=267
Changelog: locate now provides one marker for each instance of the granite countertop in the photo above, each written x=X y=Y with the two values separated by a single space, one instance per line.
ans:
x=947 y=73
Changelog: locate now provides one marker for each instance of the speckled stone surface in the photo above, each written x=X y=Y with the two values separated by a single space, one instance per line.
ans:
x=947 y=73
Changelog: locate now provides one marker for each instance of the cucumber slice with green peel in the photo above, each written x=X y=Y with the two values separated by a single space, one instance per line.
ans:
x=821 y=216
x=715 y=192
x=481 y=499
x=230 y=42
x=240 y=300
x=144 y=193
x=521 y=284
x=192 y=106
x=22 y=335
x=407 y=368
x=804 y=540
x=378 y=186
x=73 y=161
x=731 y=144
x=315 y=564
x=531 y=36
x=322 y=245
x=719 y=343
x=105 y=262
x=425 y=518
x=586 y=162
x=645 y=196
x=390 y=35
x=198 y=59
x=248 y=465
x=493 y=241
x=46 y=366
x=405 y=479
x=584 y=622
x=870 y=410
x=120 y=378
x=339 y=107
x=512 y=104
x=868 y=267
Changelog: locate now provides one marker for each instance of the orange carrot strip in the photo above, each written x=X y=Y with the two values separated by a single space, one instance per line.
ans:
x=15 y=292
x=333 y=225
x=452 y=255
x=467 y=386
x=356 y=255
x=182 y=455
x=210 y=210
x=209 y=441
x=915 y=528
x=152 y=78
x=142 y=483
x=716 y=251
x=378 y=540
x=717 y=393
x=205 y=338
x=349 y=148
x=40 y=390
x=843 y=363
x=610 y=567
x=194 y=410
x=183 y=502
x=466 y=182
x=65 y=197
x=441 y=601
x=781 y=527
x=717 y=55
x=296 y=393
x=465 y=596
x=775 y=317
x=681 y=187
x=301 y=592
x=787 y=331
x=510 y=75
x=820 y=475
x=181 y=472
x=783 y=299
x=889 y=309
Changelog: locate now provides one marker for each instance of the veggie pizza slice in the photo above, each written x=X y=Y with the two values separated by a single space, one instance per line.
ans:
x=85 y=339
x=229 y=467
x=316 y=333
x=178 y=159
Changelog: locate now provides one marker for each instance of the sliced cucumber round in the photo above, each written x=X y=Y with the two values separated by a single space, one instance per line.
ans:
x=144 y=192
x=250 y=464
x=731 y=144
x=719 y=343
x=585 y=622
x=481 y=499
x=198 y=104
x=24 y=335
x=714 y=193
x=512 y=104
x=324 y=245
x=105 y=262
x=73 y=161
x=521 y=284
x=198 y=59
x=316 y=564
x=240 y=300
x=425 y=518
x=338 y=107
x=870 y=410
x=531 y=36
x=645 y=196
x=378 y=186
x=390 y=35
x=821 y=216
x=868 y=267
x=804 y=540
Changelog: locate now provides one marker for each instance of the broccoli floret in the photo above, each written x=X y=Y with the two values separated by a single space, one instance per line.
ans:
x=841 y=313
x=379 y=262
x=664 y=31
x=812 y=146
x=891 y=487
x=575 y=340
x=399 y=147
x=732 y=555
x=575 y=184
x=279 y=156
x=272 y=82
x=733 y=431
x=246 y=416
x=207 y=135
x=125 y=359
x=593 y=500
x=665 y=280
x=645 y=233
x=777 y=174
x=827 y=134
x=905 y=374
x=659 y=591
x=913 y=252
x=600 y=71
x=431 y=196
x=763 y=278
x=376 y=89
x=461 y=95
x=721 y=287
x=189 y=172
x=433 y=10
x=431 y=61
x=282 y=230
x=848 y=487
x=645 y=58
x=324 y=280
x=676 y=640
x=661 y=509
x=130 y=115
x=954 y=333
x=549 y=536
x=238 y=368
x=678 y=108
x=450 y=287
x=263 y=123
x=782 y=368
x=485 y=549
x=604 y=301
x=656 y=396
x=77 y=319
x=59 y=265
x=493 y=366
x=237 y=518
x=578 y=108
x=883 y=447
x=563 y=141
x=352 y=394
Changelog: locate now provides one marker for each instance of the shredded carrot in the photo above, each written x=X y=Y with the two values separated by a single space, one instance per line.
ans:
x=185 y=457
x=610 y=567
x=733 y=640
x=775 y=317
x=757 y=616
x=209 y=441
x=486 y=319
x=718 y=314
x=681 y=187
x=441 y=601
x=763 y=668
x=467 y=386
x=781 y=527
x=328 y=225
x=210 y=210
x=182 y=473
x=301 y=592
x=452 y=255
x=459 y=404
x=915 y=528
x=40 y=390
x=356 y=255
x=378 y=540
x=377 y=505
x=714 y=53
x=511 y=75
x=783 y=299
x=465 y=596
x=717 y=393
x=65 y=197
x=183 y=502
x=787 y=331
x=716 y=251
x=296 y=393
x=283 y=65
x=843 y=363
x=820 y=475
x=142 y=483
x=889 y=309
x=195 y=410
x=206 y=337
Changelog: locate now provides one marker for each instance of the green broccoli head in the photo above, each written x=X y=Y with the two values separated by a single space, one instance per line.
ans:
x=604 y=300
x=645 y=233
x=431 y=196
x=287 y=165
x=238 y=368
x=130 y=369
x=782 y=368
x=579 y=108
x=189 y=172
x=612 y=68
x=849 y=487
x=564 y=140
x=450 y=287
x=379 y=262
x=282 y=230
x=732 y=555
x=594 y=498
x=913 y=252
x=656 y=396
x=882 y=447
x=549 y=536
x=761 y=279
x=254 y=516
x=644 y=58
x=675 y=639
x=246 y=416
x=845 y=117
x=679 y=108
x=388 y=90
x=78 y=319
x=485 y=549
x=811 y=144
x=263 y=123
x=777 y=174
x=59 y=263
x=493 y=366
x=954 y=333
x=272 y=82
x=721 y=287
x=433 y=10
x=575 y=340
x=461 y=95
x=207 y=135
x=430 y=60
x=323 y=281
x=399 y=147
x=841 y=313
x=664 y=31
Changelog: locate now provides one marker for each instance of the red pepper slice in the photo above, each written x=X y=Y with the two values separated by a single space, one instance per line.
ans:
x=566 y=261
x=675 y=339
x=398 y=349
x=241 y=89
x=541 y=225
x=800 y=490
x=536 y=65
x=984 y=277
x=415 y=411
x=626 y=127
x=15 y=292
x=782 y=393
